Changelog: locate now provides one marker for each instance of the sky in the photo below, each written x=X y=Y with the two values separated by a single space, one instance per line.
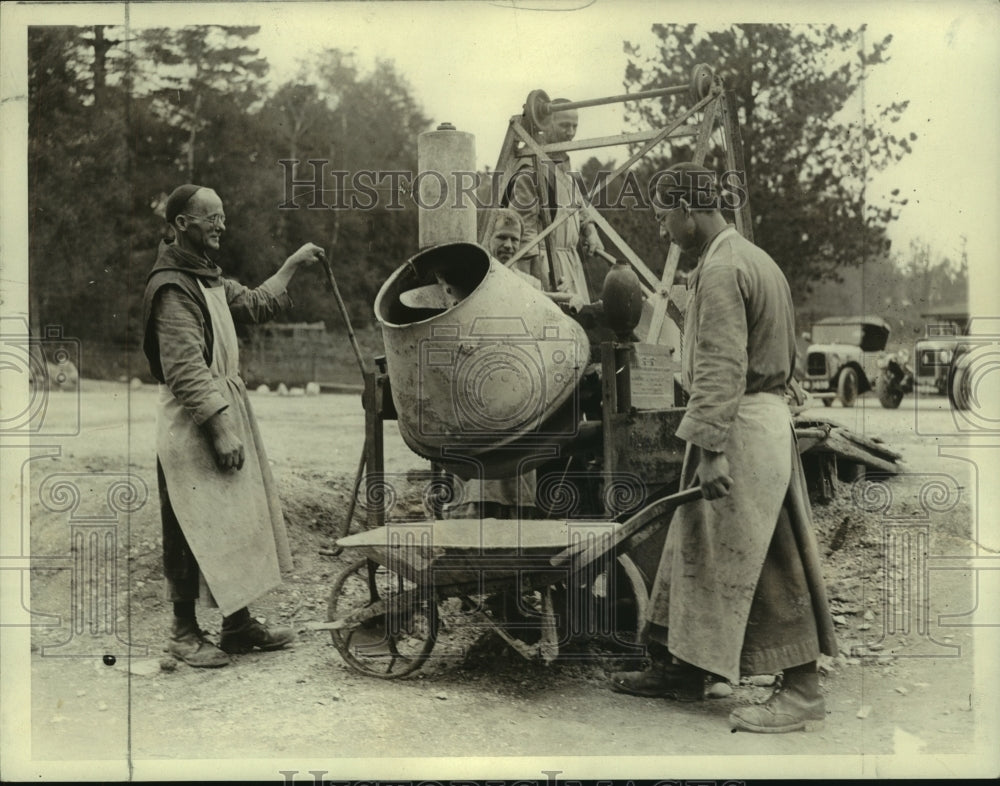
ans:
x=473 y=63
x=477 y=72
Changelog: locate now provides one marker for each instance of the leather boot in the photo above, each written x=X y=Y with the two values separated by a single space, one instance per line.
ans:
x=662 y=680
x=242 y=637
x=188 y=643
x=795 y=706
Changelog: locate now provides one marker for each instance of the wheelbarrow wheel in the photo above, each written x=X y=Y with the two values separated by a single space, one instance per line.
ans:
x=389 y=643
x=609 y=604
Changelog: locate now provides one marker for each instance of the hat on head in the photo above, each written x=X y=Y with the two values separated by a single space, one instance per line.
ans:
x=178 y=200
x=691 y=182
x=507 y=219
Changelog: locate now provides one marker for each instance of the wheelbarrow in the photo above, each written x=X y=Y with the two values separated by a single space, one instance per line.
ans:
x=539 y=585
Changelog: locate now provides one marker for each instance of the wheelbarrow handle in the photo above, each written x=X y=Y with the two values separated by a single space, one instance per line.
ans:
x=586 y=552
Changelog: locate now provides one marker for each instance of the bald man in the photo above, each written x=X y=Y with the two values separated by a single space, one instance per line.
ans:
x=224 y=537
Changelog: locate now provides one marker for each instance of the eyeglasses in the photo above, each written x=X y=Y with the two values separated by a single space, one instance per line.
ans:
x=217 y=220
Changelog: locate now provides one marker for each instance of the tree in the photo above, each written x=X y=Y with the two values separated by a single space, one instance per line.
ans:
x=77 y=162
x=901 y=288
x=809 y=143
x=196 y=74
x=115 y=123
x=349 y=121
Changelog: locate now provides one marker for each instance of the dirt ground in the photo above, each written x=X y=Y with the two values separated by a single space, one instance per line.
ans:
x=907 y=684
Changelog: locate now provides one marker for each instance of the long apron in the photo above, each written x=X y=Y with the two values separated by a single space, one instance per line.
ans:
x=567 y=265
x=714 y=551
x=561 y=194
x=231 y=519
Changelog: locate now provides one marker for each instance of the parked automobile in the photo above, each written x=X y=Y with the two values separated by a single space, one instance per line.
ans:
x=846 y=358
x=935 y=352
x=972 y=376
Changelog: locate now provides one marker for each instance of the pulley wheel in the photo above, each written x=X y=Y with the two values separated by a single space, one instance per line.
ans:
x=536 y=110
x=702 y=76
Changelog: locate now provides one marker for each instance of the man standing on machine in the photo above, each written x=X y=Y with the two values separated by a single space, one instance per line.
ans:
x=542 y=196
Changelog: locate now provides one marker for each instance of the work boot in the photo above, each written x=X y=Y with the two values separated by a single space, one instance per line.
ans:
x=797 y=705
x=188 y=643
x=242 y=637
x=662 y=680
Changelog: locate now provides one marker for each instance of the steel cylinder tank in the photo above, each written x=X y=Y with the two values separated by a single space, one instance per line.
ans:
x=488 y=379
x=446 y=164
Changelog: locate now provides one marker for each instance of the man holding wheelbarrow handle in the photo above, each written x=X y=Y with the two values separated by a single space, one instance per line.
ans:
x=738 y=590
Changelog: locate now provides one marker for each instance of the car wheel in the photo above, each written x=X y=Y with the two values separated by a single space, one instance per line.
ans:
x=847 y=387
x=889 y=395
x=959 y=388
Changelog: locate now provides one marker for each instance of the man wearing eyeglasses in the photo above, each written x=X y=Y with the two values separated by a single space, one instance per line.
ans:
x=224 y=537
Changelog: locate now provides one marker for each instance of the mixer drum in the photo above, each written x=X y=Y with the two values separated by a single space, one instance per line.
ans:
x=500 y=367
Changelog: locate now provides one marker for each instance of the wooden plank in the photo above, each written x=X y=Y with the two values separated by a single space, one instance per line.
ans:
x=674 y=253
x=624 y=249
x=735 y=161
x=612 y=141
x=663 y=297
x=503 y=171
x=839 y=445
x=878 y=448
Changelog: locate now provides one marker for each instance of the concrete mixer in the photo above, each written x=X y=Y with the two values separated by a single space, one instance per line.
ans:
x=488 y=376
x=481 y=382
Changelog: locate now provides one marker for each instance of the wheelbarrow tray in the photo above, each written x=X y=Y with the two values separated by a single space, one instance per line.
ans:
x=461 y=553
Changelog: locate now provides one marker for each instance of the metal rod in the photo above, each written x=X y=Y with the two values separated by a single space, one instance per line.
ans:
x=563 y=106
x=607 y=141
x=332 y=282
x=346 y=530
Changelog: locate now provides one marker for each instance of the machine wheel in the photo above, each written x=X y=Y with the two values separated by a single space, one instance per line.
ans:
x=701 y=81
x=889 y=395
x=847 y=387
x=536 y=110
x=391 y=644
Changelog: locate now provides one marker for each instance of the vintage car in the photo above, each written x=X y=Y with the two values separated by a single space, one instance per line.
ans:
x=972 y=376
x=843 y=360
x=935 y=352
